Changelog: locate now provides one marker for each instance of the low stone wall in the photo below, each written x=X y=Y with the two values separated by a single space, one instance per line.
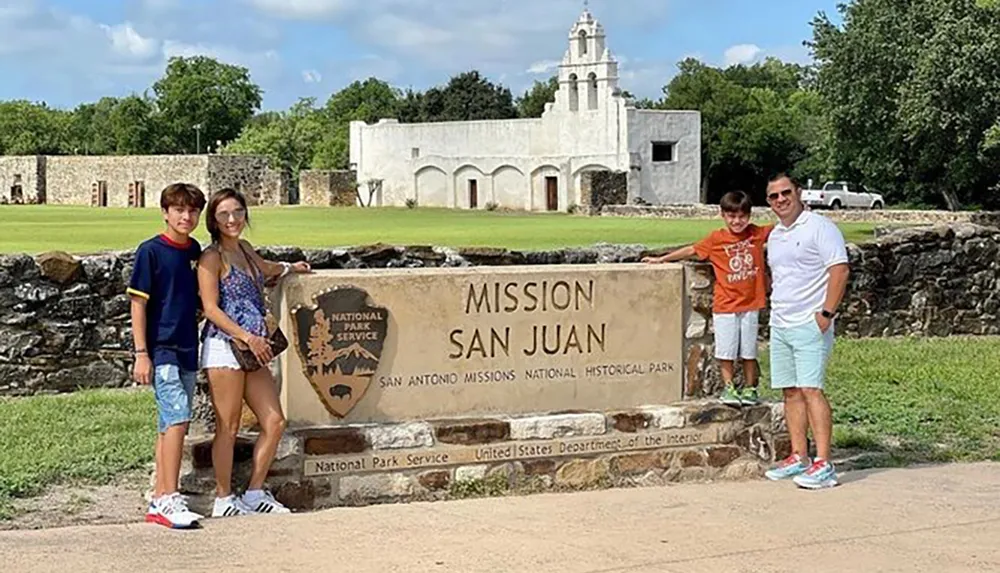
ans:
x=446 y=459
x=64 y=321
x=326 y=188
x=765 y=215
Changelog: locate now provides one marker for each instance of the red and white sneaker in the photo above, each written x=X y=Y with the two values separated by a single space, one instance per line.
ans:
x=172 y=511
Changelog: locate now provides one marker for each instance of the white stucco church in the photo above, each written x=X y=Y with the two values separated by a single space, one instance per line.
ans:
x=536 y=164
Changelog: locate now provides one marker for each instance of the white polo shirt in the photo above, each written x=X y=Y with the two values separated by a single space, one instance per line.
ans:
x=799 y=256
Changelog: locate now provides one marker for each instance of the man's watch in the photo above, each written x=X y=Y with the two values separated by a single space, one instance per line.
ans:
x=827 y=314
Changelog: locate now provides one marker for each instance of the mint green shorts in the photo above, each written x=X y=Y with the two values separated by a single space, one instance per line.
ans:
x=799 y=355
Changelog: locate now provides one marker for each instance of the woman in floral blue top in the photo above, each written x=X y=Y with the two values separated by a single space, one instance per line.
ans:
x=231 y=277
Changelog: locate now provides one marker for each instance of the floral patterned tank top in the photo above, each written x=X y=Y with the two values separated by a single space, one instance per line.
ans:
x=241 y=299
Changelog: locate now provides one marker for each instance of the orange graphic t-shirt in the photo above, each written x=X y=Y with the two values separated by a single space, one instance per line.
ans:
x=738 y=262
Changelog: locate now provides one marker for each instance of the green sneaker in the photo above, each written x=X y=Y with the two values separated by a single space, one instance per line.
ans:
x=749 y=397
x=730 y=396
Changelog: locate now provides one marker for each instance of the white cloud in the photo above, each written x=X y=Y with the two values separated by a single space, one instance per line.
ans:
x=646 y=78
x=441 y=37
x=127 y=42
x=741 y=54
x=415 y=43
x=398 y=32
x=263 y=65
x=543 y=67
x=72 y=58
x=302 y=9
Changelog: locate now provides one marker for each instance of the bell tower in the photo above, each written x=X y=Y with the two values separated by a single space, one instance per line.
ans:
x=588 y=74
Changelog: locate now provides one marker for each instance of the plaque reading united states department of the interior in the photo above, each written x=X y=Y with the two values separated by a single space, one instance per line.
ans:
x=387 y=345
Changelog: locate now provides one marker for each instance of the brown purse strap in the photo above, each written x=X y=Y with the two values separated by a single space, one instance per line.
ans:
x=259 y=274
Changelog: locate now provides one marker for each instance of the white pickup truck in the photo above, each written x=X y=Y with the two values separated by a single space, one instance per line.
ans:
x=842 y=195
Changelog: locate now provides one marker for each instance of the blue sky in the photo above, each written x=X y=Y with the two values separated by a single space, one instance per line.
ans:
x=65 y=52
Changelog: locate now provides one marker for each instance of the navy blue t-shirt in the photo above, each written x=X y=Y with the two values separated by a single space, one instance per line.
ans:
x=164 y=274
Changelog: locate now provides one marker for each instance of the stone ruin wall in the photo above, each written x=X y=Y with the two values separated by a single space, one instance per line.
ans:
x=64 y=323
x=328 y=188
x=72 y=179
x=601 y=188
x=765 y=215
x=276 y=188
x=26 y=171
x=250 y=175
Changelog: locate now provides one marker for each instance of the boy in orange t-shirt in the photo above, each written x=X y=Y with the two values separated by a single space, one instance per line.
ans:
x=737 y=256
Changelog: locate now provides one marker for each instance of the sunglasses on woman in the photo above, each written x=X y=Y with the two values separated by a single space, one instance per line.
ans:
x=237 y=214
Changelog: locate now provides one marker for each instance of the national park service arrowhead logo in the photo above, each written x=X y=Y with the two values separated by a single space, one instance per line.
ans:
x=340 y=341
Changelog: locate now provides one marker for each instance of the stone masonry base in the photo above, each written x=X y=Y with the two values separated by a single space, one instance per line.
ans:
x=451 y=459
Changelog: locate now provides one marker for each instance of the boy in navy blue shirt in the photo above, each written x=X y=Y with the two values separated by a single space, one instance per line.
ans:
x=164 y=293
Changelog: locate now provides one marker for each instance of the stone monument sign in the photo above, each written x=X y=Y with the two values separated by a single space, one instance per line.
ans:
x=391 y=345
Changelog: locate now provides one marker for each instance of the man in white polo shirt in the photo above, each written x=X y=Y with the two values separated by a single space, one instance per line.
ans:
x=809 y=270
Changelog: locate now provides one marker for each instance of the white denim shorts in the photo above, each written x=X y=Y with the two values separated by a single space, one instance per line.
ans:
x=216 y=353
x=736 y=335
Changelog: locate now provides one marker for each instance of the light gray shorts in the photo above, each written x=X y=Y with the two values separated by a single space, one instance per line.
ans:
x=736 y=335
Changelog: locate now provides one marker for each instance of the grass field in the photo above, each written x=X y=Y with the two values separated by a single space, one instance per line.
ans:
x=88 y=436
x=931 y=399
x=917 y=399
x=34 y=229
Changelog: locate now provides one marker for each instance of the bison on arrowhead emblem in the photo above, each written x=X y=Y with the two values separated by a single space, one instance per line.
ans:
x=340 y=340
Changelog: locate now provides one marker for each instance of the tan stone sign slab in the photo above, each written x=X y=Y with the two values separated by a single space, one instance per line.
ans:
x=387 y=345
x=506 y=451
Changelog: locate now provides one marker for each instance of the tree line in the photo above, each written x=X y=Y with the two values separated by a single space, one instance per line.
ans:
x=903 y=97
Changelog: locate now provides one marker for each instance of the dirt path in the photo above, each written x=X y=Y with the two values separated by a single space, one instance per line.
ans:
x=74 y=504
x=940 y=519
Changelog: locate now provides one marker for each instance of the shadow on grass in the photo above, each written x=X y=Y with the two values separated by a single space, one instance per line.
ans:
x=859 y=454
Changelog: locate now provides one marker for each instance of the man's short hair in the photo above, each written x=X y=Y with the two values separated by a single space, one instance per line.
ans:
x=781 y=174
x=182 y=195
x=736 y=202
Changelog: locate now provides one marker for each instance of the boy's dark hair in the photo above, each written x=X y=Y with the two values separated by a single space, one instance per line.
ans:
x=736 y=202
x=780 y=174
x=213 y=205
x=182 y=195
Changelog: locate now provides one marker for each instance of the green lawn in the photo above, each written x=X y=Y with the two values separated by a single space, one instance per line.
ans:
x=90 y=436
x=34 y=229
x=932 y=399
x=918 y=399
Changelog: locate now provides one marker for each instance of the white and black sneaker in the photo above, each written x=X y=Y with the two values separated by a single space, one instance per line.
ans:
x=229 y=506
x=261 y=501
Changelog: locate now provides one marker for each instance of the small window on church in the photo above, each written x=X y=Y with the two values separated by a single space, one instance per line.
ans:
x=663 y=152
x=414 y=152
x=583 y=42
